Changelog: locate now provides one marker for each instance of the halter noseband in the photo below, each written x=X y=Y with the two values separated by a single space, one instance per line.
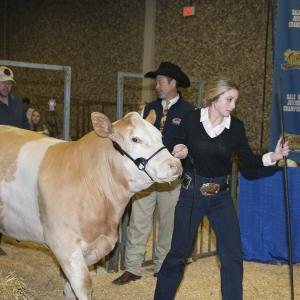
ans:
x=140 y=162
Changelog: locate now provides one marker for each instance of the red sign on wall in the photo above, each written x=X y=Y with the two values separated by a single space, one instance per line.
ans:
x=188 y=11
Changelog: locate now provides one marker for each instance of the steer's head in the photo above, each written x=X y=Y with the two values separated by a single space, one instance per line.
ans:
x=139 y=139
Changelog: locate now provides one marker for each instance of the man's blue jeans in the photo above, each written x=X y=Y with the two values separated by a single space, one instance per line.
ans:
x=189 y=213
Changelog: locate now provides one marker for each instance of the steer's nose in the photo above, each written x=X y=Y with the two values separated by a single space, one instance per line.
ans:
x=175 y=167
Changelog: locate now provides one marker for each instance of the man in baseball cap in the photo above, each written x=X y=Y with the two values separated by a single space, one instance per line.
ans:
x=11 y=106
x=6 y=74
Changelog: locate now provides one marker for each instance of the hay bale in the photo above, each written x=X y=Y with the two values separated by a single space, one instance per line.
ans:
x=13 y=287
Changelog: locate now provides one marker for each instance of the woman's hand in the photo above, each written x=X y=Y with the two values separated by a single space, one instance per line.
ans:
x=180 y=151
x=280 y=151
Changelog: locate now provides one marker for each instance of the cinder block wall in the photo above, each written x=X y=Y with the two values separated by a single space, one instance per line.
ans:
x=98 y=38
x=224 y=38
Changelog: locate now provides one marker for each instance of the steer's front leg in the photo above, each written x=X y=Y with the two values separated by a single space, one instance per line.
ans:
x=77 y=273
x=102 y=246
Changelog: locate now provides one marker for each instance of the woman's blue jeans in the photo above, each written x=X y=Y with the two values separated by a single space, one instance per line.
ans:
x=221 y=214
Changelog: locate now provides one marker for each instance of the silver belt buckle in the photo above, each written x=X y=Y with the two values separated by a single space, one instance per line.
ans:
x=208 y=189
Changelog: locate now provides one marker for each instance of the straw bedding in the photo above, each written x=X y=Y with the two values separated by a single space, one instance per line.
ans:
x=31 y=271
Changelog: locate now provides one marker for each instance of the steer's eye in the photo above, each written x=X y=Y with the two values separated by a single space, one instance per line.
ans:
x=136 y=140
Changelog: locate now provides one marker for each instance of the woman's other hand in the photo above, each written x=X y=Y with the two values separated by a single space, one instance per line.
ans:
x=280 y=151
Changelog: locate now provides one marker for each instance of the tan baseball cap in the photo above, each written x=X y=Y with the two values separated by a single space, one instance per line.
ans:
x=6 y=74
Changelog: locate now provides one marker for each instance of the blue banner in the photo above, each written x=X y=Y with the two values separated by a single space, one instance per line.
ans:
x=287 y=75
x=262 y=217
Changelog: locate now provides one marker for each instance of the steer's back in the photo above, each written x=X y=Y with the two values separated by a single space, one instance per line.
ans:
x=21 y=152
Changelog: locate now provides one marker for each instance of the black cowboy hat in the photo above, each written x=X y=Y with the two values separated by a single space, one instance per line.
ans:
x=171 y=70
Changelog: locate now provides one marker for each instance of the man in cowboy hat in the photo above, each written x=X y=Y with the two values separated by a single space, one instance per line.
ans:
x=170 y=109
x=11 y=106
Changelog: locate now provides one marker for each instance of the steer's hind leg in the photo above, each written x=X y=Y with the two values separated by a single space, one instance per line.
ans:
x=77 y=274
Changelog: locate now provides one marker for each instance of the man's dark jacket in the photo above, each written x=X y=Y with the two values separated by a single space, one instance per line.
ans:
x=13 y=114
x=174 y=117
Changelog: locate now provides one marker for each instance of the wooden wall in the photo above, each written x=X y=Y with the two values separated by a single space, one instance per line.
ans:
x=98 y=38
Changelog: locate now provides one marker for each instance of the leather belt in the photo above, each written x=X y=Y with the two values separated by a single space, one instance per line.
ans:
x=206 y=189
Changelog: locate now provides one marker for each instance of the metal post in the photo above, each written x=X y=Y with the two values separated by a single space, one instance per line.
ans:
x=67 y=97
x=120 y=83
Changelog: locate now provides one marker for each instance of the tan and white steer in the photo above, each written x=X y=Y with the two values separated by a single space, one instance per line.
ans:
x=70 y=195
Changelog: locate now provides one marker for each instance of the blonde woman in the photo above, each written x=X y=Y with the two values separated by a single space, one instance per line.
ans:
x=209 y=136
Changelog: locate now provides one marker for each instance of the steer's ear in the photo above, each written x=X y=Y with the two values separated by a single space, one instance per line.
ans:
x=151 y=118
x=101 y=124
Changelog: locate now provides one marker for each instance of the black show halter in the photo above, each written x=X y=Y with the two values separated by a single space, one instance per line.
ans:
x=140 y=162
